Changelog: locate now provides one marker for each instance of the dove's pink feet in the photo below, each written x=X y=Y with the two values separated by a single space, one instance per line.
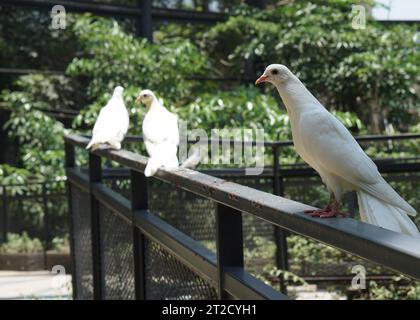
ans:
x=326 y=213
x=330 y=211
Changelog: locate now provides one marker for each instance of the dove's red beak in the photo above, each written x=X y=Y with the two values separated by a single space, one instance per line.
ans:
x=263 y=78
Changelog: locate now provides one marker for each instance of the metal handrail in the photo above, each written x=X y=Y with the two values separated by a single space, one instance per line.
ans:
x=387 y=248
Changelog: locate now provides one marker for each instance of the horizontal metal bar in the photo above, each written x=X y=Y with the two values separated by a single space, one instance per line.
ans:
x=123 y=11
x=188 y=16
x=113 y=200
x=81 y=180
x=35 y=183
x=379 y=137
x=34 y=196
x=391 y=21
x=115 y=173
x=28 y=71
x=346 y=278
x=79 y=141
x=383 y=167
x=238 y=282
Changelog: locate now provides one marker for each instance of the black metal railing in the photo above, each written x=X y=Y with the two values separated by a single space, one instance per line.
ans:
x=134 y=266
x=281 y=176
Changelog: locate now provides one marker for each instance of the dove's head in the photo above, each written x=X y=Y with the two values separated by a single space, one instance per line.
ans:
x=118 y=91
x=146 y=97
x=276 y=74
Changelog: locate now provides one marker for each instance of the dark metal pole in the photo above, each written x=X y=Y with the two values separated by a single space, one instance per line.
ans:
x=47 y=238
x=279 y=233
x=229 y=241
x=95 y=176
x=144 y=27
x=351 y=199
x=4 y=215
x=139 y=201
x=70 y=163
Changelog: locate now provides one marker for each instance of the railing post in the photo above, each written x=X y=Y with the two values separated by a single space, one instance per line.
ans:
x=4 y=215
x=95 y=176
x=351 y=199
x=144 y=23
x=279 y=233
x=70 y=163
x=229 y=243
x=139 y=201
x=46 y=218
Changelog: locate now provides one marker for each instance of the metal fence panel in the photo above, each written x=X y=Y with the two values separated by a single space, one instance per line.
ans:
x=185 y=211
x=82 y=243
x=169 y=279
x=117 y=256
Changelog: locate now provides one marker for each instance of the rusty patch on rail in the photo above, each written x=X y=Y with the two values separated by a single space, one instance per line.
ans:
x=256 y=204
x=233 y=196
x=208 y=189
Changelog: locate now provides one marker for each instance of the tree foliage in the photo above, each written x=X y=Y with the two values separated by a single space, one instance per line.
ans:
x=371 y=71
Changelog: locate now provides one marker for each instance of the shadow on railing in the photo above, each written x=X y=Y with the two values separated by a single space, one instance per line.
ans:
x=94 y=208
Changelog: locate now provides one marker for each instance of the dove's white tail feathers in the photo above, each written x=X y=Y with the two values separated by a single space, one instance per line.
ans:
x=92 y=144
x=151 y=167
x=193 y=160
x=379 y=213
x=155 y=163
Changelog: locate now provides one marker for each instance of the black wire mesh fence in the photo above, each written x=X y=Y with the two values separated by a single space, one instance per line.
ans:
x=82 y=243
x=117 y=258
x=169 y=279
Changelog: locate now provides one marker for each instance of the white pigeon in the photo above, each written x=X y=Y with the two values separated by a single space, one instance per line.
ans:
x=161 y=136
x=327 y=146
x=112 y=123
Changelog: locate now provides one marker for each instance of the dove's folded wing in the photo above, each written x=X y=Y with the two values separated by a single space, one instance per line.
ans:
x=335 y=150
x=111 y=124
x=161 y=129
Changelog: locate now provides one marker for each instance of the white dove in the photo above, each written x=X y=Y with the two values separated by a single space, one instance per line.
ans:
x=161 y=136
x=327 y=146
x=112 y=123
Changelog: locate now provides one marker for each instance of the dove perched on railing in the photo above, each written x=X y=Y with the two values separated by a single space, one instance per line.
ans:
x=161 y=136
x=327 y=146
x=111 y=126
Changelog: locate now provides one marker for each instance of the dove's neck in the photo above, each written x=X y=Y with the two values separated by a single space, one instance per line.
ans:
x=296 y=97
x=117 y=98
x=154 y=105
